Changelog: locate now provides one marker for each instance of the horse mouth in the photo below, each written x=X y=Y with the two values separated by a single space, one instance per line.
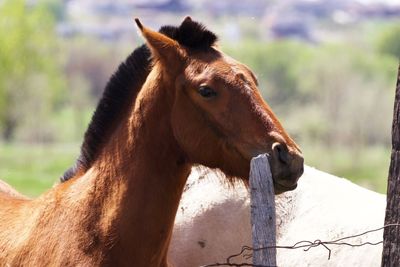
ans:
x=280 y=188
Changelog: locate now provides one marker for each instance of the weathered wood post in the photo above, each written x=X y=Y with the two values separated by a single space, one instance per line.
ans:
x=263 y=218
x=391 y=235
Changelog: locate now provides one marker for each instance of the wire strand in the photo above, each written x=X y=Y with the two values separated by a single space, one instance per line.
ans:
x=246 y=251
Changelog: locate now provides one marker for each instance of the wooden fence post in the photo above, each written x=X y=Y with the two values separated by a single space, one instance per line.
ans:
x=391 y=235
x=263 y=218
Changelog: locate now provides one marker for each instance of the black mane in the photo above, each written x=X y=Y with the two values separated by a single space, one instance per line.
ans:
x=123 y=87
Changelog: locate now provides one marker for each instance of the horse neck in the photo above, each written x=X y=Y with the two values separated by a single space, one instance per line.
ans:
x=140 y=176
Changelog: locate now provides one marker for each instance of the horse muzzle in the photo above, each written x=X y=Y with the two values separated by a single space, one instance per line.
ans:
x=286 y=167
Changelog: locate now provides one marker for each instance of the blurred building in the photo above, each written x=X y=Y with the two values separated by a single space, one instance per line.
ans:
x=106 y=19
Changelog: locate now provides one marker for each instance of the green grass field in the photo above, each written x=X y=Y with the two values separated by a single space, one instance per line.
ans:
x=367 y=166
x=32 y=169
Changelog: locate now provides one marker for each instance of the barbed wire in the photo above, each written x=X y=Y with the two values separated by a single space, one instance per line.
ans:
x=246 y=252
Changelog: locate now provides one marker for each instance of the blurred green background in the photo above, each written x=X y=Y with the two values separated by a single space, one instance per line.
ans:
x=327 y=68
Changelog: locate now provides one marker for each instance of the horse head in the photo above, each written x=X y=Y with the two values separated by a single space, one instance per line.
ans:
x=219 y=118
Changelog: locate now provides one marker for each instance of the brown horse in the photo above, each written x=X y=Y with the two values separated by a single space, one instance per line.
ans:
x=174 y=102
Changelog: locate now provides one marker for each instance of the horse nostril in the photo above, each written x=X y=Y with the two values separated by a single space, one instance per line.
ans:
x=281 y=152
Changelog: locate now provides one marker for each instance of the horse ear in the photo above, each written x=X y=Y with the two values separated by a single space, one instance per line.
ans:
x=161 y=46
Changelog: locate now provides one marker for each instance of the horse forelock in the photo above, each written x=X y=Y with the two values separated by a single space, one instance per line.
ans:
x=191 y=34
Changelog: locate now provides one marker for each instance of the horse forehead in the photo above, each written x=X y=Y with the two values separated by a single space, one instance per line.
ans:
x=216 y=63
x=236 y=65
x=230 y=71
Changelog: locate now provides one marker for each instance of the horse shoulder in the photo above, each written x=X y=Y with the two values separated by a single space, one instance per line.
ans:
x=12 y=213
x=41 y=223
x=12 y=206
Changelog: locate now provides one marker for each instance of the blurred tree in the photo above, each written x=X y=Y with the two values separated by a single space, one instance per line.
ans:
x=56 y=7
x=389 y=42
x=92 y=60
x=30 y=77
x=278 y=66
x=328 y=93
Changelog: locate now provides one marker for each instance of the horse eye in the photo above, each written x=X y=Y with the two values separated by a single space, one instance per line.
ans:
x=207 y=92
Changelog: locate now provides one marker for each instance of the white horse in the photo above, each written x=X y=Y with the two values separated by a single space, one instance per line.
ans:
x=213 y=221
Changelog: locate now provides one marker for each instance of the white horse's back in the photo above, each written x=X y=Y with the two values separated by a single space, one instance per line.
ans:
x=7 y=190
x=213 y=221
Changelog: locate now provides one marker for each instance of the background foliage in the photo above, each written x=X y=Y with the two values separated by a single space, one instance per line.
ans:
x=30 y=78
x=334 y=97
